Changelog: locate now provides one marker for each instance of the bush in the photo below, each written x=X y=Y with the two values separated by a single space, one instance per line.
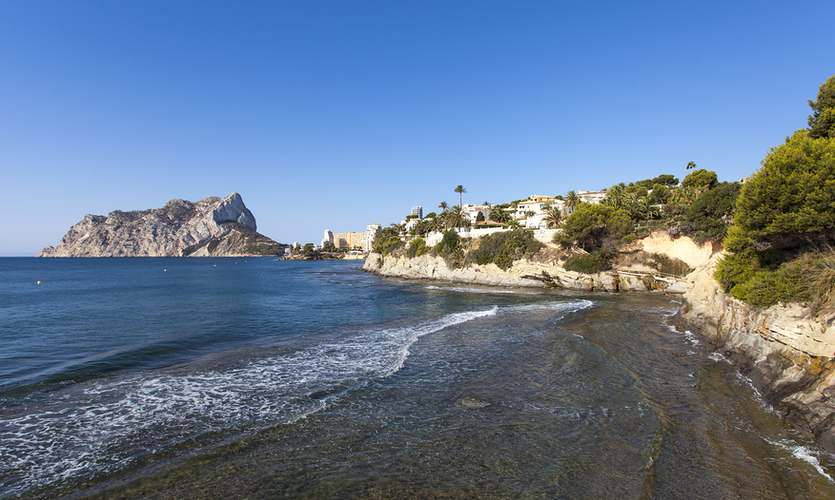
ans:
x=417 y=247
x=599 y=260
x=450 y=247
x=385 y=244
x=504 y=247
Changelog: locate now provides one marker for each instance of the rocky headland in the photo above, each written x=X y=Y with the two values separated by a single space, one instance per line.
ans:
x=788 y=351
x=217 y=227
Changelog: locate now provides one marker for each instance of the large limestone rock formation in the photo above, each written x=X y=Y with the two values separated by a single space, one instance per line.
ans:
x=211 y=226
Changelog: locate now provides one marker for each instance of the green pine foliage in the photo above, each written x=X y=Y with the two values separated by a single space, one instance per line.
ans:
x=784 y=214
x=593 y=225
x=791 y=199
x=708 y=217
x=417 y=247
x=504 y=247
x=822 y=119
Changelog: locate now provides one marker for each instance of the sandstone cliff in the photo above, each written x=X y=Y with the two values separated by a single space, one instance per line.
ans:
x=209 y=227
x=787 y=351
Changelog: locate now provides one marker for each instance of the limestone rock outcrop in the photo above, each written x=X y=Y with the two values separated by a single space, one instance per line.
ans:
x=787 y=351
x=522 y=273
x=212 y=226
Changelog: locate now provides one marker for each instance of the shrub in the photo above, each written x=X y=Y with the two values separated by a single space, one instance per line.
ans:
x=790 y=199
x=450 y=247
x=417 y=247
x=504 y=247
x=594 y=262
x=385 y=244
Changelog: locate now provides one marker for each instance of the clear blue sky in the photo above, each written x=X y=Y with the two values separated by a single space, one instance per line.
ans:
x=337 y=114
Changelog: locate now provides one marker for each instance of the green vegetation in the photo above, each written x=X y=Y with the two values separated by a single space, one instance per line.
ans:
x=822 y=119
x=589 y=263
x=387 y=241
x=450 y=248
x=594 y=225
x=707 y=218
x=417 y=247
x=785 y=214
x=504 y=247
x=700 y=179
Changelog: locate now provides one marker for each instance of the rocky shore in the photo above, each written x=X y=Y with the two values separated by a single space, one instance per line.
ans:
x=788 y=352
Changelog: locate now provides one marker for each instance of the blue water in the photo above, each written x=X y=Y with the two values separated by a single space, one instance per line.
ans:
x=257 y=378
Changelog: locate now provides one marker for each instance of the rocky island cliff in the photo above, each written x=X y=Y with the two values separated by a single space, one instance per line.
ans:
x=787 y=351
x=210 y=227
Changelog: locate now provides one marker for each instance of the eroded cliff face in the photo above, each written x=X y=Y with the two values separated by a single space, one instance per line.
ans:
x=521 y=273
x=786 y=351
x=211 y=226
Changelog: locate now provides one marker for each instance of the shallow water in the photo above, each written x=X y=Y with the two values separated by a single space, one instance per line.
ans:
x=267 y=379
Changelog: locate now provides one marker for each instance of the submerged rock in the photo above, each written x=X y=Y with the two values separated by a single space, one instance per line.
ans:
x=210 y=227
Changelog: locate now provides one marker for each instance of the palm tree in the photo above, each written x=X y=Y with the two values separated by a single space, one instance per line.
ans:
x=443 y=206
x=615 y=196
x=456 y=217
x=571 y=200
x=647 y=209
x=499 y=215
x=553 y=215
x=460 y=190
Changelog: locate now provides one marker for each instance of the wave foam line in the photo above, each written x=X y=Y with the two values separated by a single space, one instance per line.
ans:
x=804 y=454
x=480 y=290
x=103 y=425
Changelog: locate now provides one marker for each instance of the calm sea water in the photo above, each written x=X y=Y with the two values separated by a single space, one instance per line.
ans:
x=256 y=378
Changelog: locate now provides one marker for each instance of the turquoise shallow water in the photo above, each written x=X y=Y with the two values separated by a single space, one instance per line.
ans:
x=255 y=378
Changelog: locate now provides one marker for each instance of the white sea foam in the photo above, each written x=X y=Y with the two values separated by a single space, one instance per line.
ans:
x=718 y=357
x=102 y=425
x=805 y=454
x=480 y=290
x=563 y=308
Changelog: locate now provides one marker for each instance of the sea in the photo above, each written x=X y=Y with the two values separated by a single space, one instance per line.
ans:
x=204 y=378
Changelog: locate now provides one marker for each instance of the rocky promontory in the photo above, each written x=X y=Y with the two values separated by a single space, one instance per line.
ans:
x=213 y=226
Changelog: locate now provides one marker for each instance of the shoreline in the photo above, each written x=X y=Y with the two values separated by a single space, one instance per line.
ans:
x=787 y=351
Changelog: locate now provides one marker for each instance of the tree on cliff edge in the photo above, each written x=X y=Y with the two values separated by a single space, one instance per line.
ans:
x=822 y=119
x=785 y=210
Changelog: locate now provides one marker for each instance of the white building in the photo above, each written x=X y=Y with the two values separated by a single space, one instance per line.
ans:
x=537 y=205
x=370 y=232
x=472 y=211
x=591 y=196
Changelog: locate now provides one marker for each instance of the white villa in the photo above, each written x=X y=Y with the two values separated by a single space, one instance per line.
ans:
x=591 y=196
